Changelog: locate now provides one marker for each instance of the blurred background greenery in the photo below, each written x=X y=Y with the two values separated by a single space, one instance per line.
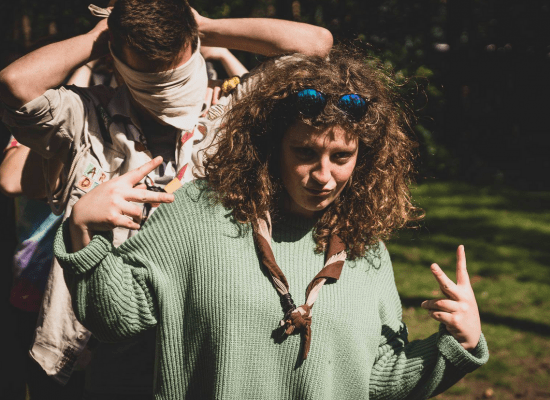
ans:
x=478 y=75
x=477 y=69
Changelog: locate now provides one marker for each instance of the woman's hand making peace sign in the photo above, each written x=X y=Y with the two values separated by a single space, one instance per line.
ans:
x=110 y=205
x=458 y=311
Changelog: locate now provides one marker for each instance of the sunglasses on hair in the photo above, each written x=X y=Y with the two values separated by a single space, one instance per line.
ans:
x=311 y=102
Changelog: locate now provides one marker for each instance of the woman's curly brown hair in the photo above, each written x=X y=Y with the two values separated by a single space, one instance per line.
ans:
x=244 y=171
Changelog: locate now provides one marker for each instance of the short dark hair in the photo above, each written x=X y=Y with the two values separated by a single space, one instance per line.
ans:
x=243 y=172
x=157 y=30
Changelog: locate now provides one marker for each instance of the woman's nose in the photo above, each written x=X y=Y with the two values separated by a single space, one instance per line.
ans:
x=321 y=173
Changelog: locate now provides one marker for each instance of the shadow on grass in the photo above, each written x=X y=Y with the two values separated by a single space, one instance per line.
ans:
x=491 y=318
x=506 y=232
x=468 y=197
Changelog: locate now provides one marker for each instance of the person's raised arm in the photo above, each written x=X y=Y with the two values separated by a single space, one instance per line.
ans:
x=230 y=63
x=264 y=36
x=424 y=368
x=11 y=170
x=33 y=74
x=22 y=172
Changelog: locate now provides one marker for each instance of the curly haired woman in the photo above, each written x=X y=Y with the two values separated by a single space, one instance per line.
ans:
x=310 y=175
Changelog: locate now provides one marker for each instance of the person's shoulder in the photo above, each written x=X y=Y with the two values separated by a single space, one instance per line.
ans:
x=196 y=195
x=376 y=258
x=98 y=94
x=197 y=205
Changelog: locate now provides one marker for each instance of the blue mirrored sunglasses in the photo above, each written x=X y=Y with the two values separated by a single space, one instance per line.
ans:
x=312 y=102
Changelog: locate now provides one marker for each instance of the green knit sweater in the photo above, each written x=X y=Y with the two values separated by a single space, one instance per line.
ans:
x=194 y=274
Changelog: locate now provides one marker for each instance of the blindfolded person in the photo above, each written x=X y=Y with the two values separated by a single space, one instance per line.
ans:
x=268 y=279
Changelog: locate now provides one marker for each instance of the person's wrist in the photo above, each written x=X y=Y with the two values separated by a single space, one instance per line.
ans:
x=206 y=29
x=470 y=345
x=224 y=54
x=78 y=230
x=99 y=37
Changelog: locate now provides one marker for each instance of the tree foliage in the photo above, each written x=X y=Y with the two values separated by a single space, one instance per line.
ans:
x=477 y=71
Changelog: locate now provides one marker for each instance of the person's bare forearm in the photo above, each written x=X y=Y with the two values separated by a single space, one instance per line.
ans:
x=11 y=170
x=232 y=65
x=80 y=236
x=265 y=36
x=21 y=173
x=81 y=76
x=34 y=178
x=30 y=76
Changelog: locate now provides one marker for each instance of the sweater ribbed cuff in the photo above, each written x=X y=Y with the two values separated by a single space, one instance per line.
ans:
x=83 y=260
x=463 y=359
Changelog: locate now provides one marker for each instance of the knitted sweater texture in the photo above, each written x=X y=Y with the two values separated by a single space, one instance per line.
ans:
x=193 y=273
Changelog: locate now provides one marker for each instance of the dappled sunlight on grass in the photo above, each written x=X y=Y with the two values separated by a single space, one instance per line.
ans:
x=506 y=235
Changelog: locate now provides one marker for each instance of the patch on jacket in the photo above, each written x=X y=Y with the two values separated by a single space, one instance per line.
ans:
x=93 y=176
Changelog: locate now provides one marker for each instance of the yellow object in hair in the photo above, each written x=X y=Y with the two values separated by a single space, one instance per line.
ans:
x=230 y=84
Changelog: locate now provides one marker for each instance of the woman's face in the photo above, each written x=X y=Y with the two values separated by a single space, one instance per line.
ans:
x=315 y=166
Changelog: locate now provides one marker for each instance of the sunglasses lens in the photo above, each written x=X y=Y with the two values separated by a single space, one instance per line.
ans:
x=310 y=102
x=353 y=105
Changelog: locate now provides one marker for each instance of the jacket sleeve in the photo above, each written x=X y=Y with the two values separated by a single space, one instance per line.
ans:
x=58 y=125
x=420 y=369
x=50 y=123
x=115 y=291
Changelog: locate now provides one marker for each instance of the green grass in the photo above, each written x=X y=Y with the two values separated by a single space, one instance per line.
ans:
x=506 y=235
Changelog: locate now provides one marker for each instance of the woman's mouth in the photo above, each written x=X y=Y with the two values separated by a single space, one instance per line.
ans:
x=315 y=192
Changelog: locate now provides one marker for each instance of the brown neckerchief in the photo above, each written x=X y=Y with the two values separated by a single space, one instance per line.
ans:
x=298 y=319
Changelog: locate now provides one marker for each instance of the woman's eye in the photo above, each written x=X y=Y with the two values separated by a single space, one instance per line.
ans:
x=304 y=153
x=342 y=157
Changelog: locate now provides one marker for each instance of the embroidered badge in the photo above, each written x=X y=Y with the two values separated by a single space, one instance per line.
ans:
x=93 y=176
x=84 y=183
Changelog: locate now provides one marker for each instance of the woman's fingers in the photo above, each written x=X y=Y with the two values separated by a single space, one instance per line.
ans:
x=216 y=95
x=447 y=286
x=136 y=175
x=443 y=317
x=132 y=211
x=126 y=221
x=459 y=313
x=462 y=277
x=445 y=305
x=148 y=196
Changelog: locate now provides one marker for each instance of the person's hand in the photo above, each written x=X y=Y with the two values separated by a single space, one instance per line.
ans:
x=458 y=312
x=100 y=37
x=109 y=205
x=198 y=18
x=213 y=93
x=101 y=27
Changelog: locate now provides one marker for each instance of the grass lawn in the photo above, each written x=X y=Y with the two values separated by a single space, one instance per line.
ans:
x=506 y=235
